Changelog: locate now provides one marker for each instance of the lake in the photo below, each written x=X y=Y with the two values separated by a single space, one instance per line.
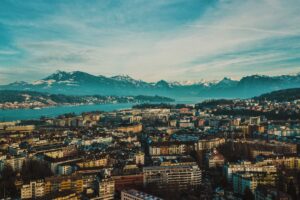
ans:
x=22 y=114
x=25 y=114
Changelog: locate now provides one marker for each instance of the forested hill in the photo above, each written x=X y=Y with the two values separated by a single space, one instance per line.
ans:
x=281 y=95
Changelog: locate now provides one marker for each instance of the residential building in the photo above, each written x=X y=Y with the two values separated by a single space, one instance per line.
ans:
x=178 y=176
x=106 y=189
x=33 y=190
x=137 y=195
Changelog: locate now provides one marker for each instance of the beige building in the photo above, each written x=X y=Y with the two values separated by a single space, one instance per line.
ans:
x=136 y=128
x=140 y=158
x=33 y=190
x=106 y=189
x=208 y=144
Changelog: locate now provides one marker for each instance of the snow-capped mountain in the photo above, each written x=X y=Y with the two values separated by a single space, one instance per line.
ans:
x=81 y=83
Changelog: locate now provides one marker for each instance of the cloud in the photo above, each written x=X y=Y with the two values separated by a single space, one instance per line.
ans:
x=7 y=52
x=153 y=40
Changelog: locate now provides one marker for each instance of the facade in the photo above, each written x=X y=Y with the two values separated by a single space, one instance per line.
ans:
x=33 y=190
x=178 y=177
x=287 y=162
x=64 y=170
x=140 y=158
x=230 y=169
x=241 y=181
x=100 y=162
x=136 y=128
x=208 y=144
x=106 y=189
x=137 y=195
x=64 y=183
x=254 y=120
x=16 y=162
x=128 y=181
x=167 y=148
x=215 y=159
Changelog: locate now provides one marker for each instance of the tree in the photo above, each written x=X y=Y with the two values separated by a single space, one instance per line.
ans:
x=291 y=190
x=34 y=169
x=7 y=182
x=248 y=195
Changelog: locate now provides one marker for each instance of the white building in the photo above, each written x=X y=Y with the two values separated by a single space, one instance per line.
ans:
x=179 y=176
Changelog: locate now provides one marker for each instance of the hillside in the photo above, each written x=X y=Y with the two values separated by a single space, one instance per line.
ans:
x=31 y=99
x=281 y=95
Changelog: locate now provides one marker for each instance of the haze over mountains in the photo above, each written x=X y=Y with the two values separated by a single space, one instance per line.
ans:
x=81 y=83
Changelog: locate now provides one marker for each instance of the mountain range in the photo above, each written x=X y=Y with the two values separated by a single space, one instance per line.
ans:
x=81 y=83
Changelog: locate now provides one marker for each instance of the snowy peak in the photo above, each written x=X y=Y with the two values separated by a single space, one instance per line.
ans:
x=81 y=83
x=123 y=78
x=58 y=75
x=126 y=79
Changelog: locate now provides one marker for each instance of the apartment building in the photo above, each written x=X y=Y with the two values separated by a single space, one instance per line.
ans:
x=106 y=189
x=251 y=180
x=179 y=177
x=33 y=190
x=137 y=195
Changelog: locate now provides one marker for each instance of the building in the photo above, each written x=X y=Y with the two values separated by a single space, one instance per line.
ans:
x=20 y=129
x=16 y=162
x=177 y=177
x=230 y=169
x=140 y=158
x=292 y=162
x=263 y=192
x=186 y=123
x=92 y=163
x=65 y=195
x=135 y=181
x=251 y=180
x=65 y=169
x=132 y=128
x=33 y=190
x=215 y=159
x=254 y=121
x=64 y=183
x=167 y=148
x=106 y=189
x=208 y=144
x=137 y=195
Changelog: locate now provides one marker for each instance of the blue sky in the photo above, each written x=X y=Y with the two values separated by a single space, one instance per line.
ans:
x=150 y=40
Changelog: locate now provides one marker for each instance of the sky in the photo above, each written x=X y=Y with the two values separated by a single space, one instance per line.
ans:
x=174 y=40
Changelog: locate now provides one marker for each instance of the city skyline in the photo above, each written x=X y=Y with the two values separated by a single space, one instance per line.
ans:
x=170 y=40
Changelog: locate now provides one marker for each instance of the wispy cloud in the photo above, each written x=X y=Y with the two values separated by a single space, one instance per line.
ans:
x=152 y=40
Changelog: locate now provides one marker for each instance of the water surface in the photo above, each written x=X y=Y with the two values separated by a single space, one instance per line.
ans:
x=26 y=114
